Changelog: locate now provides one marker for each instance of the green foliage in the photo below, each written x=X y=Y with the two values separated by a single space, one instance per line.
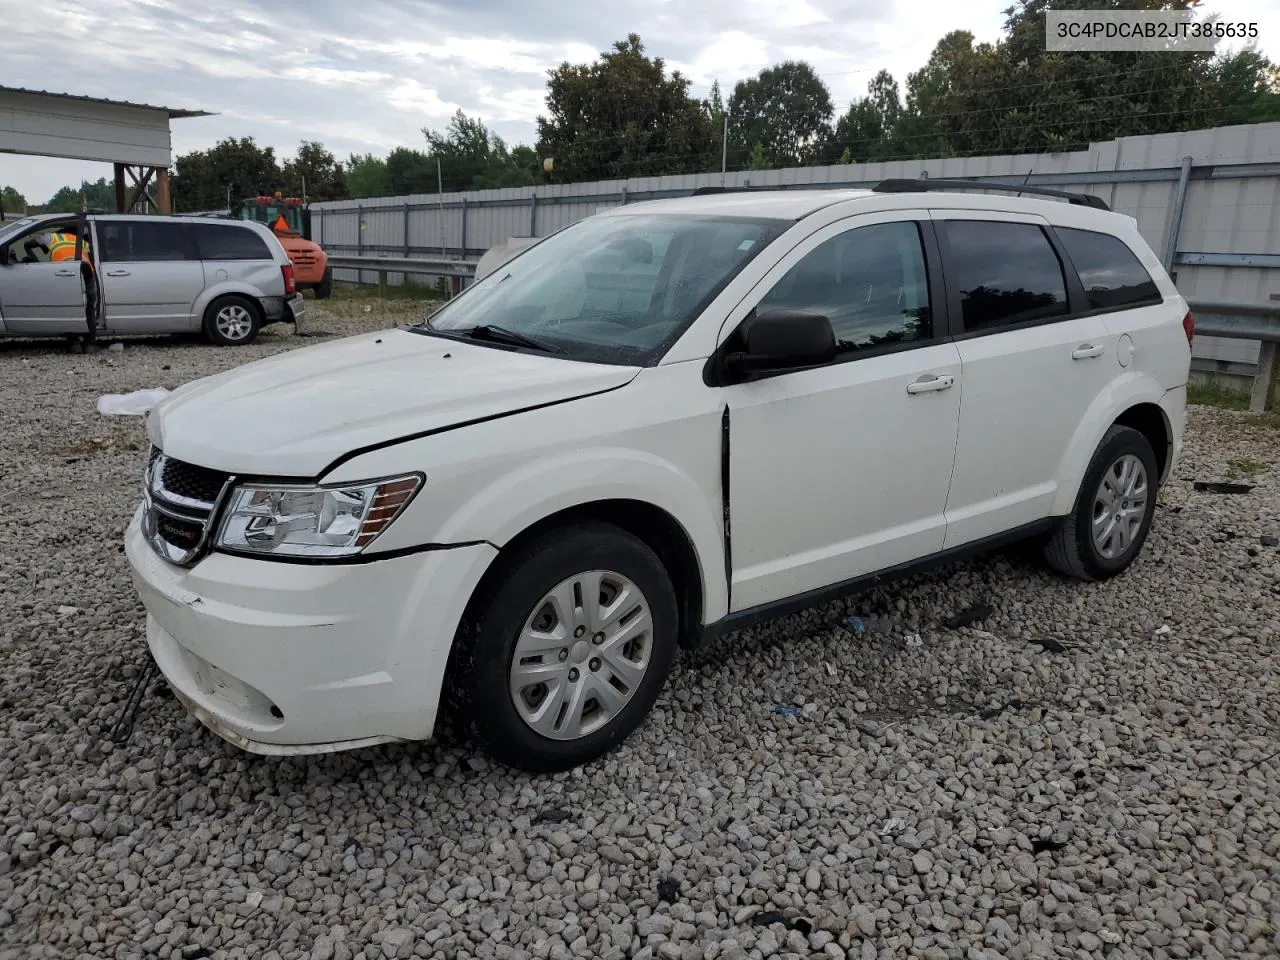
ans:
x=623 y=116
x=11 y=201
x=786 y=109
x=366 y=176
x=315 y=172
x=473 y=157
x=869 y=129
x=231 y=169
x=93 y=196
x=756 y=160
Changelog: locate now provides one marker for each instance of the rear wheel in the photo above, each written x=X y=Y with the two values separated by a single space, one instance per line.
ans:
x=232 y=321
x=1112 y=515
x=324 y=289
x=568 y=654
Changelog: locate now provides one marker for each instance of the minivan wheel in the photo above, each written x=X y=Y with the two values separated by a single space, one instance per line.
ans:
x=566 y=657
x=232 y=321
x=1113 y=510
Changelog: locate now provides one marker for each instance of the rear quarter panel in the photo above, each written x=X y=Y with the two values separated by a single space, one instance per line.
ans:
x=260 y=280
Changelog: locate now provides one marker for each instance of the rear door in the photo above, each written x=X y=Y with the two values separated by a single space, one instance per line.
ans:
x=40 y=296
x=149 y=279
x=238 y=254
x=1032 y=368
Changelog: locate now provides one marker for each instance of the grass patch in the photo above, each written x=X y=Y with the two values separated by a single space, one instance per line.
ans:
x=1246 y=467
x=1210 y=395
x=370 y=291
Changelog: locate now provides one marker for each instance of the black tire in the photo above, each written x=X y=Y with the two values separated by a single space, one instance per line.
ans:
x=324 y=289
x=486 y=644
x=218 y=329
x=1072 y=549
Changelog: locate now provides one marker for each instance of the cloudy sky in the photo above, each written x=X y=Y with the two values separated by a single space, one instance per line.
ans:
x=367 y=76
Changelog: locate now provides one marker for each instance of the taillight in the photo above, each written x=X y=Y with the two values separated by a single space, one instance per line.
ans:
x=291 y=286
x=1189 y=326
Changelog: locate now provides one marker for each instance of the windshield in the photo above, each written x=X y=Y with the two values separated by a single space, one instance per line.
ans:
x=9 y=228
x=612 y=289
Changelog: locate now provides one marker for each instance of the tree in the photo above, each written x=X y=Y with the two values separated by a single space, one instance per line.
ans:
x=786 y=109
x=714 y=105
x=1249 y=87
x=204 y=179
x=473 y=157
x=11 y=201
x=93 y=196
x=756 y=160
x=410 y=171
x=869 y=129
x=366 y=176
x=623 y=116
x=316 y=173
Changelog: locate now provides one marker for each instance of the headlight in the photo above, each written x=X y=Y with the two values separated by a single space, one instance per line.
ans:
x=297 y=521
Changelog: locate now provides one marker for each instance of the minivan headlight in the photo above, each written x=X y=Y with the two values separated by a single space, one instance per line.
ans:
x=311 y=521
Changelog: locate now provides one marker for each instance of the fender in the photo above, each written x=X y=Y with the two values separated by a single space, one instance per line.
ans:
x=501 y=511
x=1127 y=390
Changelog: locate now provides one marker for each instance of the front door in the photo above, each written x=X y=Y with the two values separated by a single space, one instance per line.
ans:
x=150 y=277
x=843 y=470
x=42 y=293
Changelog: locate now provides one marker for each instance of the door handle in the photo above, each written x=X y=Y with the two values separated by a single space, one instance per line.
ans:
x=931 y=383
x=117 y=273
x=1087 y=351
x=64 y=273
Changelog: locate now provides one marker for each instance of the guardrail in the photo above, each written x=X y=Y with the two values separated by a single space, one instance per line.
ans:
x=1245 y=321
x=432 y=266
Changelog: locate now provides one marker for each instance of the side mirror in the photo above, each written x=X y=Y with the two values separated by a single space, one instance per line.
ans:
x=782 y=340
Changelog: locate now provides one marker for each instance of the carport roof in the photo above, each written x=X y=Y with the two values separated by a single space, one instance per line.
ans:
x=174 y=113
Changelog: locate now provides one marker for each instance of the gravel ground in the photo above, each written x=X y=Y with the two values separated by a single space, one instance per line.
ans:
x=1065 y=779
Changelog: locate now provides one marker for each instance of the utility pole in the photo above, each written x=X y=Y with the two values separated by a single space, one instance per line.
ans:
x=724 y=148
x=440 y=194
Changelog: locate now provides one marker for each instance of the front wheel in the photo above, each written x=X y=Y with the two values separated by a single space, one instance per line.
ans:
x=1112 y=515
x=232 y=321
x=324 y=289
x=566 y=657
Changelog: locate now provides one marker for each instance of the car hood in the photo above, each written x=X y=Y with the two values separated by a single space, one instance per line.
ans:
x=294 y=414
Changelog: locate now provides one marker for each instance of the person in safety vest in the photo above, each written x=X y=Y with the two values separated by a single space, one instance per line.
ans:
x=62 y=246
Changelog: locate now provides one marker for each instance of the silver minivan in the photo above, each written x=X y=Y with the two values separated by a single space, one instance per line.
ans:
x=143 y=275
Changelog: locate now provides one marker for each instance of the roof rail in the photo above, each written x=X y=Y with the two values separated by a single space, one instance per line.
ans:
x=922 y=186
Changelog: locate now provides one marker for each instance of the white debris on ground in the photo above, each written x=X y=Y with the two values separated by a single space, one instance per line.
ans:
x=977 y=795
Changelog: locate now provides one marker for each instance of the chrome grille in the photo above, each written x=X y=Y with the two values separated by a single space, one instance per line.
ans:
x=180 y=504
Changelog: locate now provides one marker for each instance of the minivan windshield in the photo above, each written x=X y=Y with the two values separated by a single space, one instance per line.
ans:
x=609 y=289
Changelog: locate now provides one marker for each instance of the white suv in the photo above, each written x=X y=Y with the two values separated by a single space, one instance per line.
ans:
x=663 y=422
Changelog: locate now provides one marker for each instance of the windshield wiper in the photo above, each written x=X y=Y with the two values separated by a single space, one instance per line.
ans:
x=496 y=334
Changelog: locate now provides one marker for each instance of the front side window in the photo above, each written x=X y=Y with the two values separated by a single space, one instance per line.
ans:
x=216 y=241
x=1111 y=274
x=1007 y=273
x=611 y=289
x=139 y=241
x=53 y=241
x=870 y=282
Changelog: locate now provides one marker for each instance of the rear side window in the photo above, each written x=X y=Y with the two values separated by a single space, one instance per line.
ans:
x=1110 y=272
x=1007 y=273
x=216 y=241
x=136 y=241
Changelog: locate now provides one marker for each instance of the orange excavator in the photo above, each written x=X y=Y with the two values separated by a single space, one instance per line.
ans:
x=290 y=221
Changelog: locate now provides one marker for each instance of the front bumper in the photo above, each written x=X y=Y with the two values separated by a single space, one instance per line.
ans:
x=289 y=658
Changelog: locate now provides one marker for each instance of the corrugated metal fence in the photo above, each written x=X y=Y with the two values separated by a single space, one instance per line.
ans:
x=1208 y=201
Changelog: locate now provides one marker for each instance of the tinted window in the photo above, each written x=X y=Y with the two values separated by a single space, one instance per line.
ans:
x=135 y=240
x=1007 y=273
x=870 y=282
x=228 y=242
x=1111 y=274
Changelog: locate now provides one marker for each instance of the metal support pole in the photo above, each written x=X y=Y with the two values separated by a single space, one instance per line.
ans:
x=1264 y=381
x=724 y=148
x=359 y=230
x=624 y=196
x=440 y=194
x=533 y=214
x=464 y=227
x=406 y=229
x=1175 y=225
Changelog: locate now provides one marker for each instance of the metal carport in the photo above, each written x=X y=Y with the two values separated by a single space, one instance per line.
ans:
x=133 y=137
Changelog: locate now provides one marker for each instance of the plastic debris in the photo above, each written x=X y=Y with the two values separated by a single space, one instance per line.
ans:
x=134 y=404
x=1050 y=645
x=1269 y=540
x=914 y=640
x=857 y=625
x=787 y=710
x=868 y=624
x=1162 y=631
x=974 y=614
x=1216 y=486
x=668 y=890
x=891 y=826
x=116 y=347
x=831 y=670
x=66 y=611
